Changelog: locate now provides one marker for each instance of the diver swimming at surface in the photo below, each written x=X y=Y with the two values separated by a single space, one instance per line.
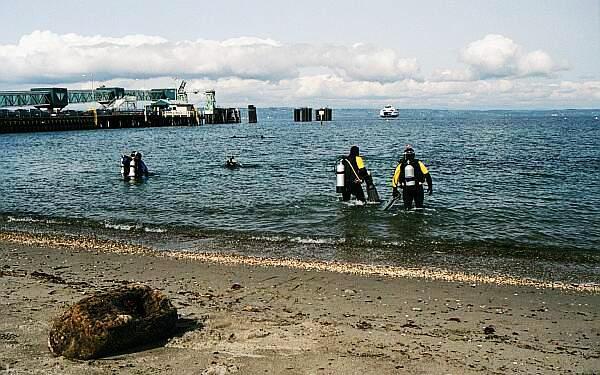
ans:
x=232 y=163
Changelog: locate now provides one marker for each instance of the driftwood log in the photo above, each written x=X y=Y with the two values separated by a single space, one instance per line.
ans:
x=109 y=322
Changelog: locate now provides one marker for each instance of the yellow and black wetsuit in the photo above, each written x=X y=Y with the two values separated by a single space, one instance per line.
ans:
x=355 y=173
x=410 y=176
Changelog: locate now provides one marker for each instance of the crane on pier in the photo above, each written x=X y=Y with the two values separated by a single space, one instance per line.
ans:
x=210 y=103
x=181 y=93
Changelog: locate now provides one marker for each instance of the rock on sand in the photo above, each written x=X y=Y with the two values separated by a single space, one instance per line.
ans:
x=109 y=322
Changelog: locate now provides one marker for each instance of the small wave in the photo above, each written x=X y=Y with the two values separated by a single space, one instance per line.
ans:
x=154 y=230
x=300 y=240
x=268 y=238
x=52 y=221
x=133 y=227
x=12 y=219
x=127 y=227
x=23 y=220
x=317 y=241
x=353 y=203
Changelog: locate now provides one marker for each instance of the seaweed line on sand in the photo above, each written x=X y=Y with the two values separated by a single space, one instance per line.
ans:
x=95 y=244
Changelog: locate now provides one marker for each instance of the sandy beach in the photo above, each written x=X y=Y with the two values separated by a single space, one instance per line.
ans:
x=252 y=316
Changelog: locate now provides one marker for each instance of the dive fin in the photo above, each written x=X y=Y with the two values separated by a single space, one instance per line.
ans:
x=372 y=194
x=390 y=203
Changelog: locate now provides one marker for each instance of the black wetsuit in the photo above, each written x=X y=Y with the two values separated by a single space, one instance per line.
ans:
x=354 y=173
x=140 y=169
x=412 y=192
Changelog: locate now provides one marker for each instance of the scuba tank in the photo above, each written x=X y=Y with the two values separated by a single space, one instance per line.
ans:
x=409 y=175
x=339 y=177
x=132 y=168
x=125 y=166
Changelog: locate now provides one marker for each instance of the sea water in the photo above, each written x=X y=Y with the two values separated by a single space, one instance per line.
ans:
x=506 y=185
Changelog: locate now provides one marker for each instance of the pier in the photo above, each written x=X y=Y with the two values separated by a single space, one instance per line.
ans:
x=168 y=107
x=216 y=115
x=88 y=120
x=56 y=98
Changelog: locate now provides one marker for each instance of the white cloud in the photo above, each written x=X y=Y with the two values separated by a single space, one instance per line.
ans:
x=536 y=63
x=369 y=63
x=332 y=90
x=498 y=73
x=452 y=75
x=492 y=56
x=498 y=56
x=46 y=56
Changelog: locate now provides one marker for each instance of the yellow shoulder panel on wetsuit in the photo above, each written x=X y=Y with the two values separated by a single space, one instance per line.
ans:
x=360 y=163
x=423 y=168
x=396 y=176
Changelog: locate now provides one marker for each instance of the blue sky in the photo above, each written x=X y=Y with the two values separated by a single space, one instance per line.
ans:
x=426 y=54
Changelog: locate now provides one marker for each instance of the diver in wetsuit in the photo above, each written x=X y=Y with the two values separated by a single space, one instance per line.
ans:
x=355 y=173
x=125 y=163
x=410 y=174
x=140 y=167
x=231 y=163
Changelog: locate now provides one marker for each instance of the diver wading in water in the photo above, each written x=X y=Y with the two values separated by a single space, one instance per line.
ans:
x=410 y=174
x=133 y=167
x=351 y=172
x=125 y=163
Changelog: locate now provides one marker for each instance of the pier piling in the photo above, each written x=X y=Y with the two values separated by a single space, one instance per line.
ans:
x=303 y=114
x=252 y=114
x=323 y=114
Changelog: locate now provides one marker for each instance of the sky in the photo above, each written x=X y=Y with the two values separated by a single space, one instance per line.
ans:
x=342 y=54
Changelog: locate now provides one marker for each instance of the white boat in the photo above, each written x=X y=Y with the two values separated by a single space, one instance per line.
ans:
x=388 y=111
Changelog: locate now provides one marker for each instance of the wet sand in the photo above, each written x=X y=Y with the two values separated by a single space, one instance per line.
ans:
x=264 y=316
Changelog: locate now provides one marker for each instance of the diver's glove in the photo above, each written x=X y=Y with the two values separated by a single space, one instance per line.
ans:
x=395 y=193
x=429 y=189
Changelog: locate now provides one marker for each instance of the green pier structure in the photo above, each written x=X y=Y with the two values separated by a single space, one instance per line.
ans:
x=48 y=113
x=57 y=98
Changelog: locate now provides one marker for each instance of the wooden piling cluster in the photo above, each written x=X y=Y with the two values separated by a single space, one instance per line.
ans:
x=303 y=114
x=21 y=121
x=18 y=123
x=323 y=114
x=252 y=119
x=139 y=120
x=76 y=120
x=223 y=116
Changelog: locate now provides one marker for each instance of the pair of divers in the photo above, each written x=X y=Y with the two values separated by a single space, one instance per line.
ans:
x=409 y=175
x=232 y=163
x=133 y=167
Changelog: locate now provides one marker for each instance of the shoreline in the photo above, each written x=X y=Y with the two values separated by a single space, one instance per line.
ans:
x=266 y=317
x=425 y=273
